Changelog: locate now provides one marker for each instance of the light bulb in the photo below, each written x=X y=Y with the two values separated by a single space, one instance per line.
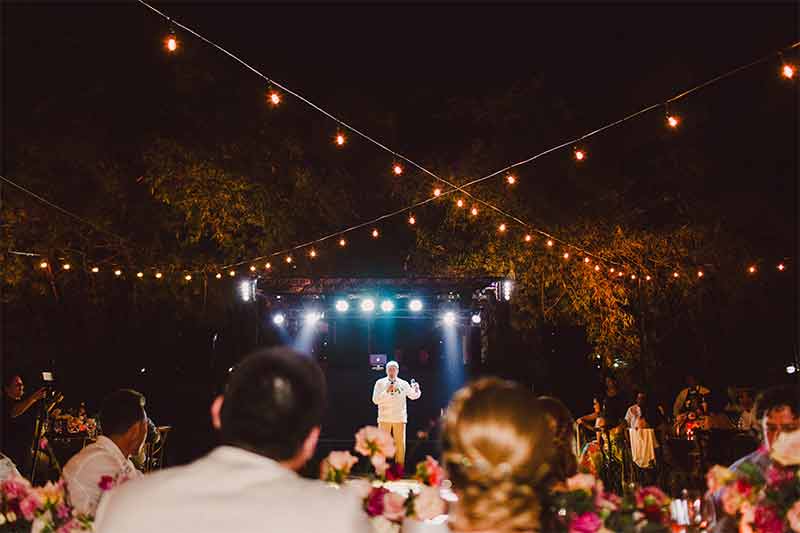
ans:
x=340 y=139
x=218 y=276
x=232 y=273
x=511 y=179
x=159 y=275
x=118 y=272
x=787 y=71
x=473 y=211
x=580 y=155
x=375 y=234
x=700 y=274
x=673 y=121
x=268 y=266
x=188 y=277
x=566 y=255
x=312 y=253
x=648 y=278
x=752 y=270
x=528 y=238
x=342 y=242
x=43 y=264
x=460 y=202
x=633 y=276
x=549 y=242
x=288 y=259
x=274 y=98
x=586 y=260
x=437 y=192
x=397 y=169
x=140 y=275
x=502 y=227
x=412 y=220
x=252 y=268
x=675 y=274
x=597 y=268
x=95 y=270
x=171 y=42
x=66 y=266
x=781 y=267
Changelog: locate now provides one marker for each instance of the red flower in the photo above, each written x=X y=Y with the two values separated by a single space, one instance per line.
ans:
x=106 y=483
x=394 y=472
x=374 y=502
x=768 y=520
x=743 y=487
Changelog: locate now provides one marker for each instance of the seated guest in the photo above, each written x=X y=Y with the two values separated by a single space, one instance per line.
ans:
x=777 y=410
x=124 y=424
x=565 y=464
x=498 y=452
x=635 y=415
x=690 y=397
x=591 y=458
x=748 y=421
x=269 y=421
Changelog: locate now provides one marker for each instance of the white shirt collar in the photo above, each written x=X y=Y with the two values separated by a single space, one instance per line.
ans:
x=239 y=456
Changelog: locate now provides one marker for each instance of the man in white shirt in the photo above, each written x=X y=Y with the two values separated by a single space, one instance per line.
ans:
x=634 y=414
x=269 y=422
x=693 y=389
x=390 y=394
x=124 y=424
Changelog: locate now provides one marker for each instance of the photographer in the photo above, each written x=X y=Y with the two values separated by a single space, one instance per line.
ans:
x=20 y=420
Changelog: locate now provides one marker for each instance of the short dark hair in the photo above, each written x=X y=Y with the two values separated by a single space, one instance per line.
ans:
x=274 y=398
x=775 y=398
x=120 y=410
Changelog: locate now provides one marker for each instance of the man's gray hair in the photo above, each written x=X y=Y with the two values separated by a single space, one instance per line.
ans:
x=394 y=364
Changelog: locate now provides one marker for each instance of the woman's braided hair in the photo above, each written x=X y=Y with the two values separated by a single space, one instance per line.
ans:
x=497 y=450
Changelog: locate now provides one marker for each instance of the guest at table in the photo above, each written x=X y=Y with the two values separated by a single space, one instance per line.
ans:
x=269 y=421
x=635 y=415
x=124 y=424
x=591 y=457
x=565 y=464
x=748 y=420
x=692 y=394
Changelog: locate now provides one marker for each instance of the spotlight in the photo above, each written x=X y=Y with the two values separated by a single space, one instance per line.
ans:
x=415 y=305
x=476 y=318
x=368 y=305
x=342 y=305
x=387 y=306
x=246 y=291
x=449 y=318
x=311 y=317
x=278 y=319
x=791 y=369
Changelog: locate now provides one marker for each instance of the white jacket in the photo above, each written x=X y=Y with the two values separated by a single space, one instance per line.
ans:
x=230 y=490
x=85 y=469
x=392 y=405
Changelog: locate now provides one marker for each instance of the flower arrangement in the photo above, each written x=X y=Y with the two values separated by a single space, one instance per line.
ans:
x=386 y=509
x=764 y=500
x=38 y=509
x=582 y=505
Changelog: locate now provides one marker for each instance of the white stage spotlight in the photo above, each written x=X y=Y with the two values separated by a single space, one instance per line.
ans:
x=387 y=306
x=449 y=318
x=342 y=306
x=311 y=317
x=368 y=305
x=278 y=319
x=415 y=305
x=476 y=318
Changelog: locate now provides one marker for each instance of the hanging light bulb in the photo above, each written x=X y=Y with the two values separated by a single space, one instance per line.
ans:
x=511 y=179
x=252 y=268
x=633 y=276
x=620 y=274
x=312 y=253
x=43 y=264
x=752 y=269
x=528 y=238
x=274 y=98
x=586 y=260
x=580 y=155
x=412 y=220
x=502 y=227
x=673 y=121
x=140 y=275
x=375 y=233
x=66 y=266
x=288 y=259
x=437 y=192
x=397 y=169
x=675 y=274
x=473 y=211
x=342 y=242
x=460 y=202
x=268 y=266
x=95 y=270
x=188 y=277
x=612 y=270
x=781 y=267
x=340 y=139
x=597 y=268
x=648 y=278
x=566 y=255
x=550 y=242
x=118 y=272
x=788 y=71
x=232 y=273
x=171 y=42
x=159 y=275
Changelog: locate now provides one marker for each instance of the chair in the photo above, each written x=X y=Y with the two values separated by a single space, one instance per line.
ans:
x=154 y=451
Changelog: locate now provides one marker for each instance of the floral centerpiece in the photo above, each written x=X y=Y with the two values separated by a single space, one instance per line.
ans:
x=762 y=500
x=38 y=509
x=386 y=509
x=582 y=505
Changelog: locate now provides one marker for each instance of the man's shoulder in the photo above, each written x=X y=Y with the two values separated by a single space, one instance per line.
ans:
x=91 y=453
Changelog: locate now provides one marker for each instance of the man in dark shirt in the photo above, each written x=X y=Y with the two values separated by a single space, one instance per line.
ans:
x=19 y=421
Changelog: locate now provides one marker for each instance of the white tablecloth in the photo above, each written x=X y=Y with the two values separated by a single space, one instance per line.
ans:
x=643 y=446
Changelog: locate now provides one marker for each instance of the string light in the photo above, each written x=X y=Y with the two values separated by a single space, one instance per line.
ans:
x=140 y=275
x=501 y=227
x=566 y=255
x=171 y=42
x=511 y=179
x=375 y=233
x=460 y=202
x=597 y=268
x=586 y=260
x=700 y=274
x=412 y=220
x=218 y=276
x=675 y=274
x=528 y=238
x=550 y=242
x=188 y=277
x=66 y=266
x=437 y=192
x=268 y=265
x=274 y=98
x=342 y=242
x=474 y=211
x=612 y=270
x=788 y=71
x=781 y=267
x=312 y=253
x=43 y=264
x=95 y=270
x=673 y=121
x=397 y=169
x=633 y=276
x=252 y=268
x=648 y=278
x=752 y=270
x=118 y=272
x=159 y=275
x=232 y=273
x=580 y=155
x=340 y=139
x=620 y=274
x=288 y=259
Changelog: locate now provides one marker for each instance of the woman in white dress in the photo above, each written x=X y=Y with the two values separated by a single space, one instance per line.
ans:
x=497 y=451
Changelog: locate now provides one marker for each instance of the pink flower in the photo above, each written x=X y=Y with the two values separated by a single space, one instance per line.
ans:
x=584 y=482
x=342 y=461
x=394 y=506
x=776 y=475
x=786 y=449
x=767 y=520
x=374 y=503
x=15 y=488
x=106 y=483
x=30 y=505
x=380 y=464
x=585 y=523
x=62 y=511
x=428 y=503
x=371 y=440
x=43 y=443
x=793 y=517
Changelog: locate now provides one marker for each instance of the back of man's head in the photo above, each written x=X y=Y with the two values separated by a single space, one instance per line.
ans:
x=777 y=398
x=274 y=398
x=120 y=410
